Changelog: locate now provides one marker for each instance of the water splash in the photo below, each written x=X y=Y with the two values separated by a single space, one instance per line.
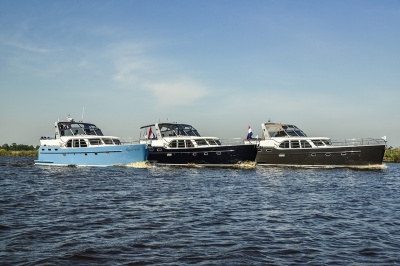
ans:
x=145 y=164
x=359 y=167
x=245 y=165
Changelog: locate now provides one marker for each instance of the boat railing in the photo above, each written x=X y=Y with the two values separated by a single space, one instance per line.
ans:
x=358 y=142
x=235 y=141
x=127 y=141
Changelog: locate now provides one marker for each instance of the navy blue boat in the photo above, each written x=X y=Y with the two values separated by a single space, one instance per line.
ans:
x=181 y=144
x=285 y=144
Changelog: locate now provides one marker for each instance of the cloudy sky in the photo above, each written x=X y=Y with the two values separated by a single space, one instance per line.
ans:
x=330 y=67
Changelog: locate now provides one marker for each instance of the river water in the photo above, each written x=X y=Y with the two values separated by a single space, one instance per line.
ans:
x=200 y=216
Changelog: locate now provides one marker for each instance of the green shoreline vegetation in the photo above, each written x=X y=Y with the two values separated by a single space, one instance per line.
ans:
x=391 y=155
x=18 y=150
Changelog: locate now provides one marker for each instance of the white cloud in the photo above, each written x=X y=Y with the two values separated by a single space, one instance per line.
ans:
x=177 y=92
x=161 y=78
x=24 y=46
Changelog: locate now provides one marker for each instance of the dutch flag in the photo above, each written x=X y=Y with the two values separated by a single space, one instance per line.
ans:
x=151 y=134
x=249 y=133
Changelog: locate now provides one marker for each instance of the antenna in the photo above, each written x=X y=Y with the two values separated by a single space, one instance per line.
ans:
x=83 y=111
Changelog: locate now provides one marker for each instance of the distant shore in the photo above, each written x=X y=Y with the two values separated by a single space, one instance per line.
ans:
x=391 y=156
x=18 y=153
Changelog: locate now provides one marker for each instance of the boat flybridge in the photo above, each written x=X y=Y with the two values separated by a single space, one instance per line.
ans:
x=286 y=144
x=84 y=144
x=181 y=144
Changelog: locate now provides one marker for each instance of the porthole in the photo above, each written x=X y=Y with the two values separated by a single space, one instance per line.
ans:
x=95 y=153
x=328 y=154
x=268 y=150
x=159 y=149
x=85 y=154
x=194 y=154
x=281 y=155
x=343 y=154
x=218 y=153
x=206 y=153
x=313 y=154
x=259 y=149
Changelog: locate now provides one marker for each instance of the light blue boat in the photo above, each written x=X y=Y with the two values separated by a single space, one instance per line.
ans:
x=83 y=144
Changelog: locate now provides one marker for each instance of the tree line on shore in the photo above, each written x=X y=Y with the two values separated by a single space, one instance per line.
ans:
x=18 y=150
x=391 y=155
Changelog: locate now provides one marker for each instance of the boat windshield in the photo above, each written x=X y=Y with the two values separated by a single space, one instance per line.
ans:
x=278 y=130
x=172 y=130
x=293 y=131
x=74 y=128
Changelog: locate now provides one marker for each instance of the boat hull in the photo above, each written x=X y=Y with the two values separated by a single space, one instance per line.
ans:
x=92 y=156
x=329 y=156
x=219 y=155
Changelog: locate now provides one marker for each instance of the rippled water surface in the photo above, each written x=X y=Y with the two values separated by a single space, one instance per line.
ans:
x=203 y=216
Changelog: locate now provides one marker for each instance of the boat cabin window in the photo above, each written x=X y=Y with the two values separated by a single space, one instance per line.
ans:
x=73 y=128
x=305 y=144
x=280 y=133
x=294 y=131
x=327 y=142
x=76 y=143
x=201 y=142
x=284 y=144
x=212 y=142
x=272 y=130
x=318 y=142
x=82 y=143
x=173 y=144
x=95 y=142
x=189 y=144
x=108 y=141
x=294 y=144
x=172 y=130
x=284 y=131
x=117 y=141
x=69 y=143
x=181 y=144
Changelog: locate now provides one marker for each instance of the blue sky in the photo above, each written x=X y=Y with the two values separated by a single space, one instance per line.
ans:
x=330 y=67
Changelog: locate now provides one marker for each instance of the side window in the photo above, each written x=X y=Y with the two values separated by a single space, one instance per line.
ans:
x=318 y=143
x=284 y=144
x=295 y=144
x=189 y=144
x=108 y=141
x=117 y=141
x=201 y=142
x=172 y=144
x=95 y=142
x=76 y=143
x=69 y=143
x=327 y=142
x=305 y=144
x=181 y=144
x=82 y=143
x=211 y=142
